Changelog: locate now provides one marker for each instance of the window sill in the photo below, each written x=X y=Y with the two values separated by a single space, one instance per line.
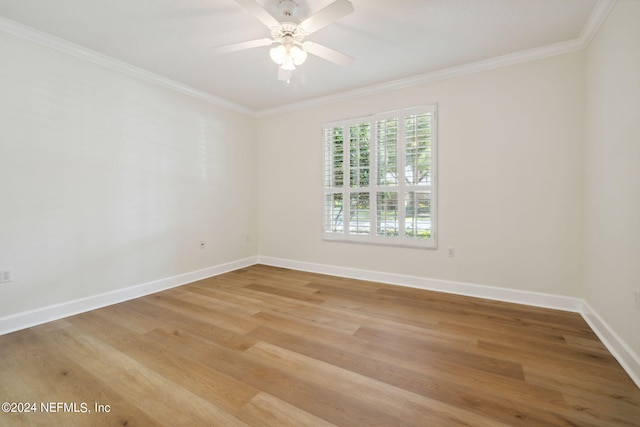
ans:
x=432 y=245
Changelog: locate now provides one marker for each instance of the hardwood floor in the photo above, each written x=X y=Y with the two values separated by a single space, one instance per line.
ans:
x=264 y=346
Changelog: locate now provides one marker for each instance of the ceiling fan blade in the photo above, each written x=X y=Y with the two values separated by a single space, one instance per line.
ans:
x=326 y=16
x=328 y=54
x=243 y=45
x=284 y=75
x=256 y=10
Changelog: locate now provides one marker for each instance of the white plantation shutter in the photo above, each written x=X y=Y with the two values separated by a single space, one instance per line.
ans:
x=387 y=219
x=418 y=174
x=387 y=176
x=334 y=180
x=380 y=178
x=359 y=155
x=387 y=152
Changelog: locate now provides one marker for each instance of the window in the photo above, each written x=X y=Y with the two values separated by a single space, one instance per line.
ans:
x=380 y=178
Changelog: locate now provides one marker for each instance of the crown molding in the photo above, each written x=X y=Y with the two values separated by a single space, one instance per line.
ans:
x=434 y=76
x=61 y=45
x=595 y=21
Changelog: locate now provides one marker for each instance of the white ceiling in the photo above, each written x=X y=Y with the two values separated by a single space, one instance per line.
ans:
x=391 y=40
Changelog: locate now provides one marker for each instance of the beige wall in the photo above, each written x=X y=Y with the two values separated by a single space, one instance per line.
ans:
x=510 y=190
x=109 y=182
x=612 y=172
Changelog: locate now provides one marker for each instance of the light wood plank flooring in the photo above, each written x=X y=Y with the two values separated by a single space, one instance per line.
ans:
x=265 y=346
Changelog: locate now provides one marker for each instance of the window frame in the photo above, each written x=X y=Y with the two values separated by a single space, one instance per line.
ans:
x=401 y=188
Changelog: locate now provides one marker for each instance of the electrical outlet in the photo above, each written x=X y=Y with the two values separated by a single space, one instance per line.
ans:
x=452 y=252
x=202 y=245
x=5 y=276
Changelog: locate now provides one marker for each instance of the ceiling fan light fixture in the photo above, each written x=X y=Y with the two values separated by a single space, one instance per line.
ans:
x=291 y=49
x=299 y=55
x=278 y=54
x=288 y=56
x=288 y=63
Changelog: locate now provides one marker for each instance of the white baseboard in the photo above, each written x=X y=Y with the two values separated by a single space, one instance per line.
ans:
x=627 y=358
x=54 y=312
x=537 y=299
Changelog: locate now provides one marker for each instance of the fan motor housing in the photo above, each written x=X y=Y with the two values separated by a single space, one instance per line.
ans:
x=288 y=31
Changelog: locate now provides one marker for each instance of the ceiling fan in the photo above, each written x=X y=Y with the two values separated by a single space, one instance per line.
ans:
x=292 y=48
